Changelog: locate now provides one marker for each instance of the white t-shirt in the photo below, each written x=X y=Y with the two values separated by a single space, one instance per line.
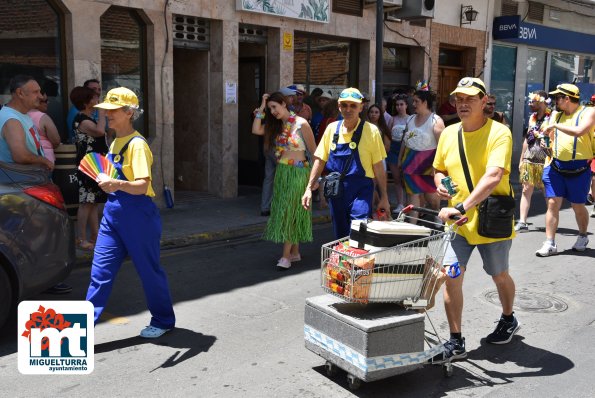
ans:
x=421 y=138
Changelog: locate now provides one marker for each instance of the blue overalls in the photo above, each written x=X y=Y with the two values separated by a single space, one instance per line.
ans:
x=358 y=190
x=130 y=225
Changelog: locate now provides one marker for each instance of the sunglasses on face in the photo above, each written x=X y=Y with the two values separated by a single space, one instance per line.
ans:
x=344 y=105
x=352 y=95
x=490 y=103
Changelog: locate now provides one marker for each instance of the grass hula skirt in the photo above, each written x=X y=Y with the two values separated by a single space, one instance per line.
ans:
x=531 y=173
x=289 y=221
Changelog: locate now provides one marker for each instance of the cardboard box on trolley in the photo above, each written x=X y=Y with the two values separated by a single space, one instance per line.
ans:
x=400 y=252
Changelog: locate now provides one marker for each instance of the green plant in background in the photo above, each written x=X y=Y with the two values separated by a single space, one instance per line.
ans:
x=316 y=10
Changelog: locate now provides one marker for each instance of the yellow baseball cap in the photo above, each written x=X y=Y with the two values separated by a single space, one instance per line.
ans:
x=351 y=94
x=567 y=89
x=470 y=86
x=117 y=98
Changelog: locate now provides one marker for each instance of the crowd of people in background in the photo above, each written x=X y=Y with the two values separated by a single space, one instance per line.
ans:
x=410 y=123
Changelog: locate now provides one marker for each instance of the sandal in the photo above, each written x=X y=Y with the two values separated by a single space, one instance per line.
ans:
x=294 y=258
x=283 y=263
x=153 y=332
x=85 y=245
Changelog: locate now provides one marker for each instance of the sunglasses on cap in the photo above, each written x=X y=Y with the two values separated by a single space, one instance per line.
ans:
x=351 y=94
x=565 y=91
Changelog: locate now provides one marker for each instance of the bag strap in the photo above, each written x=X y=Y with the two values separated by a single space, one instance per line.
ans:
x=125 y=147
x=407 y=126
x=464 y=160
x=466 y=167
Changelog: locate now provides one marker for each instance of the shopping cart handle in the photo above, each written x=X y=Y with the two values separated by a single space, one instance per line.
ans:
x=459 y=220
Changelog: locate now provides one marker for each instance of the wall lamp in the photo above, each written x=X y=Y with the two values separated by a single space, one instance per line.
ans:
x=468 y=15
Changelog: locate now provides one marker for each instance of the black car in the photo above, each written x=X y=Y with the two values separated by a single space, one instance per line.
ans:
x=37 y=247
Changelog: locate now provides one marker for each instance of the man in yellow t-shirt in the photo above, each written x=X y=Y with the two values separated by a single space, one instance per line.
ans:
x=488 y=149
x=333 y=154
x=568 y=175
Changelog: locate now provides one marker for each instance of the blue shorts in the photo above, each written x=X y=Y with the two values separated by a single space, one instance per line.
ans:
x=494 y=255
x=575 y=189
x=393 y=153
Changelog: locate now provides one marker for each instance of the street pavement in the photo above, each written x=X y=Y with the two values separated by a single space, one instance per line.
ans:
x=240 y=324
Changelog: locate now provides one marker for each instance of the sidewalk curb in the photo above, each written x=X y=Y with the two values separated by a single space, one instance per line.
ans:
x=208 y=237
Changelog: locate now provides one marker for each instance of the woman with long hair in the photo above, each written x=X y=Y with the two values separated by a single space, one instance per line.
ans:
x=131 y=224
x=376 y=117
x=90 y=137
x=292 y=139
x=393 y=146
x=418 y=150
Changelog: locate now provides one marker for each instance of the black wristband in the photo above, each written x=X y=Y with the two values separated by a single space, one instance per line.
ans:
x=460 y=208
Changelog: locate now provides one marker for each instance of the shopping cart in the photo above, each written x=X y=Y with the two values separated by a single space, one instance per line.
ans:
x=406 y=274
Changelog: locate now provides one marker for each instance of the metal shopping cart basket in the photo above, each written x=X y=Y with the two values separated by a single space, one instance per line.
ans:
x=406 y=273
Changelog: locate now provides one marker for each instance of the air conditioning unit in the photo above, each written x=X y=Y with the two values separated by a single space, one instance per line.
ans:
x=413 y=9
x=389 y=5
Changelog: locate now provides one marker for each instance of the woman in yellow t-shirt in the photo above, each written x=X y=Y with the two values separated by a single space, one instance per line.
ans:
x=131 y=224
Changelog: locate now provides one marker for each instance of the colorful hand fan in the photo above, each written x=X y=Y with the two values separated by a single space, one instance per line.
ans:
x=94 y=163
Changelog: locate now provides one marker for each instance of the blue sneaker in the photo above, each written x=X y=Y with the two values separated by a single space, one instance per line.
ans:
x=454 y=350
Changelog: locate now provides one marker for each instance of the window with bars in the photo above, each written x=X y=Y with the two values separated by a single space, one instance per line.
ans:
x=191 y=32
x=349 y=7
x=509 y=7
x=535 y=12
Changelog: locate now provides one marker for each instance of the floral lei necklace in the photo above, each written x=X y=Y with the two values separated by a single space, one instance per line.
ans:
x=534 y=132
x=285 y=139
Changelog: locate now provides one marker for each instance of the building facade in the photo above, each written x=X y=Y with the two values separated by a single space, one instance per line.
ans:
x=200 y=67
x=536 y=45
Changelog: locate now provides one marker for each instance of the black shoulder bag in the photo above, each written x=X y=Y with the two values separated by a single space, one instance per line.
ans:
x=496 y=213
x=333 y=185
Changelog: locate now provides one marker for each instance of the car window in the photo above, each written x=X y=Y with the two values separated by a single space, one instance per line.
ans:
x=4 y=179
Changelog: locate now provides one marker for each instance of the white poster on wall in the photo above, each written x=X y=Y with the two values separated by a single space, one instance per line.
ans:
x=310 y=10
x=231 y=92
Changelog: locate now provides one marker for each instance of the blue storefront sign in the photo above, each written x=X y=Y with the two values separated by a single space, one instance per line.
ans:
x=510 y=28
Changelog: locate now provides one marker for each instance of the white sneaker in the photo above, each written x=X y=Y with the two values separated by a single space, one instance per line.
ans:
x=593 y=212
x=547 y=249
x=581 y=244
x=521 y=226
